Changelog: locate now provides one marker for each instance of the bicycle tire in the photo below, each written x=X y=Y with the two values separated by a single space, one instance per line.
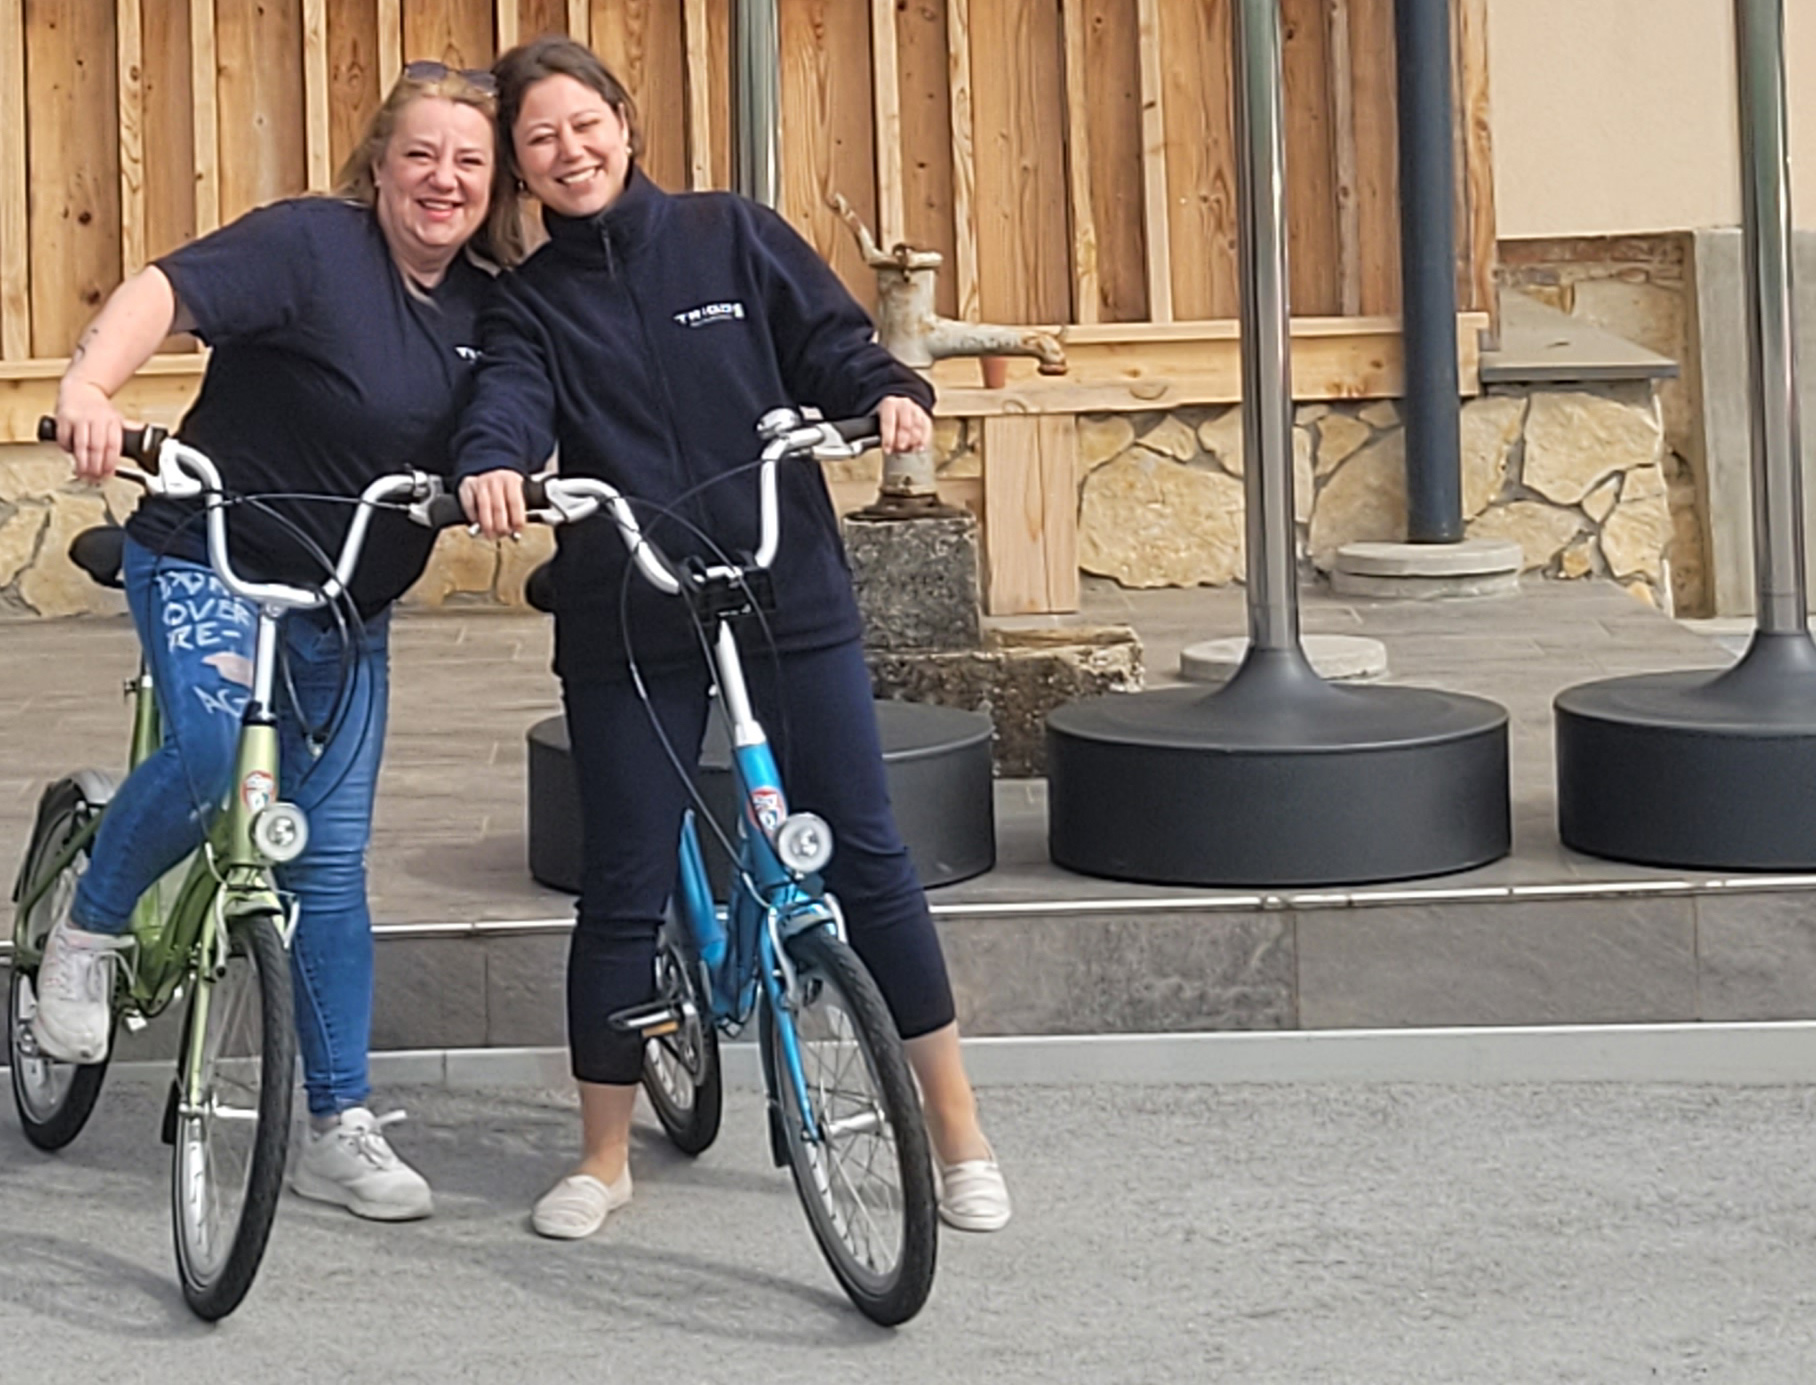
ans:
x=833 y=982
x=54 y=1099
x=215 y=1278
x=681 y=1073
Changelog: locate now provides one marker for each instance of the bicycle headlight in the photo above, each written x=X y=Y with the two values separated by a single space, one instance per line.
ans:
x=280 y=832
x=804 y=843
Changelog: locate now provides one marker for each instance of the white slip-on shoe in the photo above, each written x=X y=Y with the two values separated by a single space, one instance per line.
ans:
x=974 y=1196
x=578 y=1205
x=74 y=992
x=352 y=1165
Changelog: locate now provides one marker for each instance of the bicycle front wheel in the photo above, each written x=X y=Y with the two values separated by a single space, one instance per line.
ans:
x=54 y=1098
x=228 y=1165
x=681 y=1068
x=860 y=1158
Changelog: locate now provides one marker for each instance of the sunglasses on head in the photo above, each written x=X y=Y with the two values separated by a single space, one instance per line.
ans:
x=428 y=70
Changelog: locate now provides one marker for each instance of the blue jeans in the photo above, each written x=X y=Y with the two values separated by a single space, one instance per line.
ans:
x=198 y=641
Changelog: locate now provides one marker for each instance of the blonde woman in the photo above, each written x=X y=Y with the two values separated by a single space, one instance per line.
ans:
x=343 y=332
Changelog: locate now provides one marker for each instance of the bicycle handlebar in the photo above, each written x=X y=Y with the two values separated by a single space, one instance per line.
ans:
x=184 y=473
x=557 y=500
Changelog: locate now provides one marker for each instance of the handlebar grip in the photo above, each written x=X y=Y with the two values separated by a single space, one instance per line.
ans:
x=141 y=444
x=851 y=429
x=535 y=494
x=445 y=512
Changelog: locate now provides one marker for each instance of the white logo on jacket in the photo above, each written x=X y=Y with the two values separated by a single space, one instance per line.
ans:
x=709 y=313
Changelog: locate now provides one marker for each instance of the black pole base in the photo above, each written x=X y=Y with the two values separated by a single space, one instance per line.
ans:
x=936 y=761
x=1277 y=779
x=1695 y=769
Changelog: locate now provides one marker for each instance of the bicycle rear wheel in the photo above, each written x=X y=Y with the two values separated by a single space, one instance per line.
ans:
x=681 y=1069
x=54 y=1099
x=861 y=1164
x=228 y=1165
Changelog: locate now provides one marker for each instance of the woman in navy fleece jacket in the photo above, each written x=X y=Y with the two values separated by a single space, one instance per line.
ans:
x=645 y=340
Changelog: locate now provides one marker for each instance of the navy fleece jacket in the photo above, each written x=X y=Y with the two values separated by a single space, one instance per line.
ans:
x=646 y=342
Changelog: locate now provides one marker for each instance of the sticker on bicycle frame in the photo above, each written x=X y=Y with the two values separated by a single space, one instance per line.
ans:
x=767 y=809
x=256 y=790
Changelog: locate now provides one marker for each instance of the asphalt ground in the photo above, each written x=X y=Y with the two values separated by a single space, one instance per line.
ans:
x=1277 y=1234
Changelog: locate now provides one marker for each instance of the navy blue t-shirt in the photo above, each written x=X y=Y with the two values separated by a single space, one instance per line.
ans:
x=327 y=372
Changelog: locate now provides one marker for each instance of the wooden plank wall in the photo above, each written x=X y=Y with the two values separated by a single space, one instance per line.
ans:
x=1072 y=159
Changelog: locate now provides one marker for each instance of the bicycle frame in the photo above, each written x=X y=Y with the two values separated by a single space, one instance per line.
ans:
x=741 y=955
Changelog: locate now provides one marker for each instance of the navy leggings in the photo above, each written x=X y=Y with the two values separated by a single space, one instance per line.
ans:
x=632 y=803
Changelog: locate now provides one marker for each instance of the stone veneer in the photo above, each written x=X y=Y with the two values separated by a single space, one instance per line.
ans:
x=1577 y=478
x=1580 y=479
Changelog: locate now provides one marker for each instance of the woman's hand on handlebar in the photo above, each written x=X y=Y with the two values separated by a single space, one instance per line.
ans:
x=904 y=425
x=89 y=428
x=494 y=501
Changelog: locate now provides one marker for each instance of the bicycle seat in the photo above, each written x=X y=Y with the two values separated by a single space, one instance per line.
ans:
x=99 y=552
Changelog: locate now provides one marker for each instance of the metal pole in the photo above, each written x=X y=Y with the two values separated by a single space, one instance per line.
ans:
x=1428 y=277
x=757 y=100
x=1267 y=391
x=1765 y=174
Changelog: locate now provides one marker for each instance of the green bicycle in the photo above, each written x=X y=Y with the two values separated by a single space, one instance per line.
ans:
x=218 y=938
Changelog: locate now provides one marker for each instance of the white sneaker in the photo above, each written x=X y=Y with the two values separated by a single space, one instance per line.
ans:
x=74 y=993
x=352 y=1165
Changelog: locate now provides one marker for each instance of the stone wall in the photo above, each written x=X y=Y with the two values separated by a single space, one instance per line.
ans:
x=1640 y=288
x=1577 y=478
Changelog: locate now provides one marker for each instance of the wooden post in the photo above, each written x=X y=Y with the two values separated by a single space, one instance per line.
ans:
x=697 y=38
x=319 y=158
x=390 y=44
x=886 y=83
x=504 y=24
x=15 y=242
x=129 y=71
x=1343 y=141
x=204 y=87
x=1087 y=290
x=1478 y=146
x=1154 y=166
x=964 y=160
x=1030 y=523
x=580 y=21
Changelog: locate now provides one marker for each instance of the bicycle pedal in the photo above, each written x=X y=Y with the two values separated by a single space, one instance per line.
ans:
x=134 y=1021
x=648 y=1021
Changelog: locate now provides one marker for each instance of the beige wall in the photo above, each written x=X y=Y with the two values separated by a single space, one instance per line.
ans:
x=1619 y=115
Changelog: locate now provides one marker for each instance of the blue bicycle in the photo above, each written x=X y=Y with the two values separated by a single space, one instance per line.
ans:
x=844 y=1115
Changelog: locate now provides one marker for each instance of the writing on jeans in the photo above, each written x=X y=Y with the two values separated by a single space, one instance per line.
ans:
x=198 y=613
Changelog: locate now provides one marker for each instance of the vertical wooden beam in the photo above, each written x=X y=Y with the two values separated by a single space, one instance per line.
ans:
x=129 y=68
x=390 y=43
x=886 y=79
x=697 y=38
x=1154 y=163
x=317 y=135
x=1478 y=143
x=504 y=24
x=262 y=136
x=1373 y=84
x=169 y=129
x=927 y=139
x=1030 y=520
x=1113 y=115
x=828 y=140
x=964 y=160
x=1087 y=290
x=73 y=167
x=204 y=88
x=580 y=21
x=15 y=236
x=1343 y=139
